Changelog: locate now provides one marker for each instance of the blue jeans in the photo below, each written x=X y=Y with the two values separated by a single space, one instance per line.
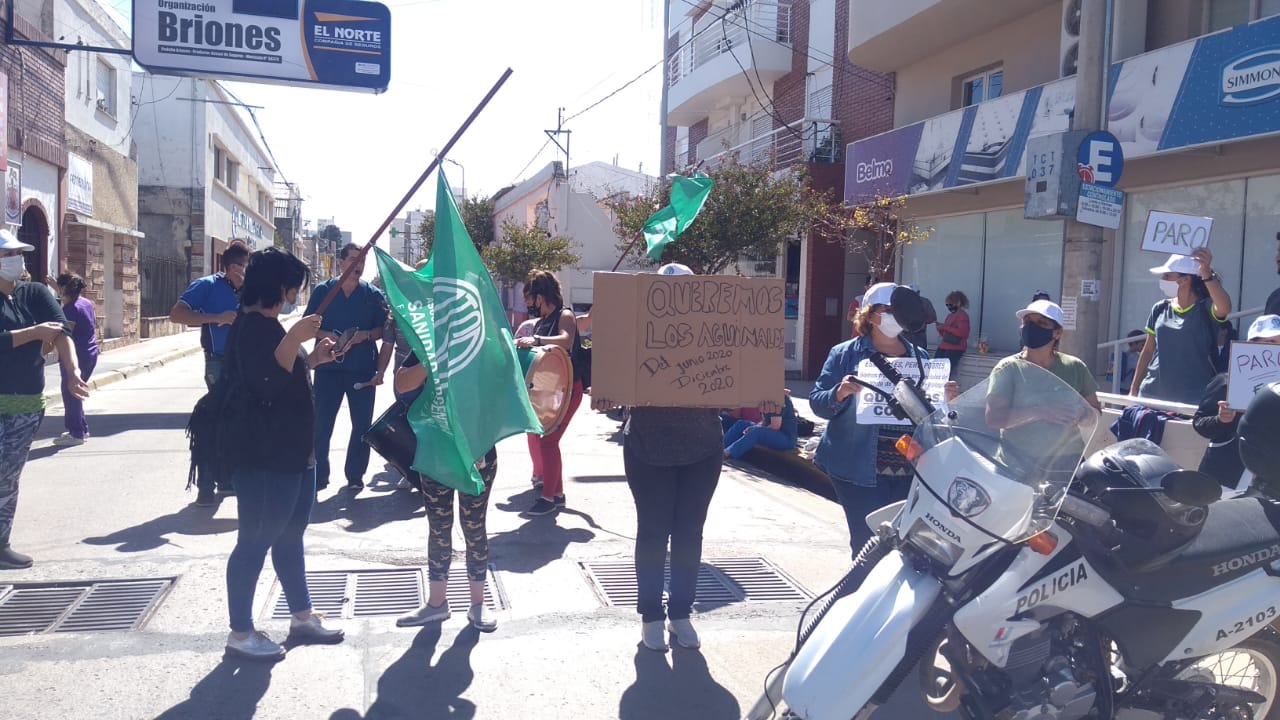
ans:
x=205 y=477
x=330 y=387
x=671 y=503
x=744 y=435
x=859 y=501
x=274 y=509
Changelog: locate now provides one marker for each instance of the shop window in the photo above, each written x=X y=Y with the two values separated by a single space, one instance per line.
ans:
x=219 y=160
x=105 y=85
x=981 y=86
x=1223 y=14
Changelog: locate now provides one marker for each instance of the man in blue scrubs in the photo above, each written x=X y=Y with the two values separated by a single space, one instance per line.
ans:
x=360 y=307
x=211 y=303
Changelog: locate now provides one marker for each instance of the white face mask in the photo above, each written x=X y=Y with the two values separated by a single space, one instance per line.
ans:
x=889 y=325
x=12 y=268
x=1169 y=287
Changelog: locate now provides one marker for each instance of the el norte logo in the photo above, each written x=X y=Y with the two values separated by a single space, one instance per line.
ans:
x=1251 y=79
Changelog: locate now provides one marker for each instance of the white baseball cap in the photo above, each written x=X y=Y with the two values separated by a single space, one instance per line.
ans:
x=1265 y=327
x=9 y=241
x=1046 y=308
x=1178 y=264
x=879 y=294
x=674 y=269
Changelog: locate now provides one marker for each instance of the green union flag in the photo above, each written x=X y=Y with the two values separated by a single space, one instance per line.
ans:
x=688 y=194
x=449 y=311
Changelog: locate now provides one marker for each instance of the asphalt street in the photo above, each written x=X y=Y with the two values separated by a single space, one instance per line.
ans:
x=116 y=508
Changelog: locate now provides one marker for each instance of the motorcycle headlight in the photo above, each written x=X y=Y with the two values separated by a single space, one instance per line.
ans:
x=933 y=544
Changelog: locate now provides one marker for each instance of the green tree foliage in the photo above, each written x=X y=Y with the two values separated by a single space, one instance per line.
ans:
x=880 y=229
x=477 y=216
x=524 y=248
x=751 y=210
x=332 y=233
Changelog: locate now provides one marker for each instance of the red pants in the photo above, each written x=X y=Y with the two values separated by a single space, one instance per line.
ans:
x=544 y=450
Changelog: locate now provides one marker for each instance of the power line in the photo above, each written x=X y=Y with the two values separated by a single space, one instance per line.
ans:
x=531 y=160
x=625 y=85
x=261 y=136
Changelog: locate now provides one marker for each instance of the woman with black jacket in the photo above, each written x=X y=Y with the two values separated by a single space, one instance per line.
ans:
x=1218 y=423
x=275 y=473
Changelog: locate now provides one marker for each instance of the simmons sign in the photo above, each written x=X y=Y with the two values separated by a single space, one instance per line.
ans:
x=341 y=44
x=1252 y=78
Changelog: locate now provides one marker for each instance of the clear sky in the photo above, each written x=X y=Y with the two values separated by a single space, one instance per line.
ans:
x=354 y=155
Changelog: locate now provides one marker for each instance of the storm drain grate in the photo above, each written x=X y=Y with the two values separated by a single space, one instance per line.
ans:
x=374 y=592
x=103 y=606
x=721 y=581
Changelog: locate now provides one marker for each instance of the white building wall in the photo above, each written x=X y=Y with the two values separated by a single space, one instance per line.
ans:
x=40 y=183
x=94 y=27
x=167 y=156
x=235 y=212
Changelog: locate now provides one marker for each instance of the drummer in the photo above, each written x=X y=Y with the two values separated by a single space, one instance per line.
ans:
x=556 y=326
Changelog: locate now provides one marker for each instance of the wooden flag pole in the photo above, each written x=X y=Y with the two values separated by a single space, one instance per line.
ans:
x=435 y=162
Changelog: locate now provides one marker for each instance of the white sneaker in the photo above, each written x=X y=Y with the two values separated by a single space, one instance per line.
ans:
x=482 y=619
x=66 y=439
x=255 y=647
x=686 y=636
x=426 y=614
x=654 y=635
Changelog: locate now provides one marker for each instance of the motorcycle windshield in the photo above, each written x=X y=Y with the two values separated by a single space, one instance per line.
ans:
x=1023 y=424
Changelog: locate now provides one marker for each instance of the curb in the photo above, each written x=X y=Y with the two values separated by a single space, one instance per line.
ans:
x=97 y=382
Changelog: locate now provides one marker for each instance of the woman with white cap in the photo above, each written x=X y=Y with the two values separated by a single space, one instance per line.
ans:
x=1042 y=328
x=1218 y=423
x=847 y=451
x=29 y=317
x=1178 y=359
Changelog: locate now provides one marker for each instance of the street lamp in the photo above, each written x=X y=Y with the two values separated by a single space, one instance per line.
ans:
x=464 y=175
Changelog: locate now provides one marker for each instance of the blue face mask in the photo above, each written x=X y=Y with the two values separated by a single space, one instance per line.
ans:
x=288 y=307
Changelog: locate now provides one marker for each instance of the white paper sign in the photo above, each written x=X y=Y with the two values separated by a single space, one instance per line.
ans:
x=1101 y=206
x=873 y=410
x=1252 y=366
x=1091 y=289
x=1175 y=234
x=1069 y=307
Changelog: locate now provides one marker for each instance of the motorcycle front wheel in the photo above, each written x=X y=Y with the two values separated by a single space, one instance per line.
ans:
x=1252 y=665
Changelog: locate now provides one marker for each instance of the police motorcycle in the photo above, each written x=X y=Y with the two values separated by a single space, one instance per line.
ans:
x=1015 y=583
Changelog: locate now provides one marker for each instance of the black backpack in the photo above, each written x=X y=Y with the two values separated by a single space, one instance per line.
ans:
x=225 y=421
x=581 y=357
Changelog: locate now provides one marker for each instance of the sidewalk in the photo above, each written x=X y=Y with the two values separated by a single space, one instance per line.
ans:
x=127 y=361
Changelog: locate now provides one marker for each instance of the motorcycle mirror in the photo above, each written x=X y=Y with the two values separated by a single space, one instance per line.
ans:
x=1191 y=488
x=908 y=309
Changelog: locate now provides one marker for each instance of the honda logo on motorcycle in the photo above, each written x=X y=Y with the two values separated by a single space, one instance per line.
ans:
x=1246 y=560
x=967 y=497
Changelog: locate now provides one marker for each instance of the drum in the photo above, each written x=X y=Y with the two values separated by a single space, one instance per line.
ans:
x=548 y=375
x=392 y=438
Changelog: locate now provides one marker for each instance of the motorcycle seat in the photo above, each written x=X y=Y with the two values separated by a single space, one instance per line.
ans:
x=1239 y=536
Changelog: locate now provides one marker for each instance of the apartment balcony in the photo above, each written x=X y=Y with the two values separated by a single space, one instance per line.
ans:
x=807 y=141
x=886 y=36
x=730 y=52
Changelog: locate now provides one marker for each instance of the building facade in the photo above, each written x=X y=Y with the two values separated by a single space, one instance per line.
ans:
x=204 y=180
x=570 y=205
x=34 y=154
x=978 y=82
x=99 y=226
x=770 y=82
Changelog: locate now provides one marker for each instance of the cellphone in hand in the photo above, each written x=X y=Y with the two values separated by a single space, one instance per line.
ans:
x=344 y=340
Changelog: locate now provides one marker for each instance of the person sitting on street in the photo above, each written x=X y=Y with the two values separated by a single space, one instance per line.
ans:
x=778 y=431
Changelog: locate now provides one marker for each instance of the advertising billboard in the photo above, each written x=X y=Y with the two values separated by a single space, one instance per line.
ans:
x=342 y=44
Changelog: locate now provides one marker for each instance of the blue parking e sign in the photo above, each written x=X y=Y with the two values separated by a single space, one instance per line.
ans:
x=1100 y=159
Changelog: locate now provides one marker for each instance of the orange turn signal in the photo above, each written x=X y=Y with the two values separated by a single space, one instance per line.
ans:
x=1044 y=543
x=908 y=448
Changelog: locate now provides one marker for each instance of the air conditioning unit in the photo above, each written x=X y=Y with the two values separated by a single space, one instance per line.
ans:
x=1069 y=45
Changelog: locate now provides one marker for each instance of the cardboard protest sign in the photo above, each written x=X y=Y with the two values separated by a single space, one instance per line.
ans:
x=1252 y=366
x=1175 y=234
x=873 y=410
x=687 y=340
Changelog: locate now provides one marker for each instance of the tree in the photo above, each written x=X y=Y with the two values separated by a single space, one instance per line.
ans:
x=524 y=248
x=879 y=232
x=477 y=216
x=751 y=210
x=332 y=234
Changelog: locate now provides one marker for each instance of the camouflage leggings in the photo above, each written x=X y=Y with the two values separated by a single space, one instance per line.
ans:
x=16 y=432
x=472 y=508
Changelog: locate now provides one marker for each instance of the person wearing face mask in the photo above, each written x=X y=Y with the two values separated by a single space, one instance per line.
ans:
x=29 y=317
x=556 y=326
x=84 y=336
x=954 y=331
x=1019 y=401
x=848 y=451
x=1179 y=356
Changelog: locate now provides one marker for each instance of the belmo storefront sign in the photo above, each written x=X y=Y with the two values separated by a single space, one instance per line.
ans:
x=1213 y=89
x=341 y=44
